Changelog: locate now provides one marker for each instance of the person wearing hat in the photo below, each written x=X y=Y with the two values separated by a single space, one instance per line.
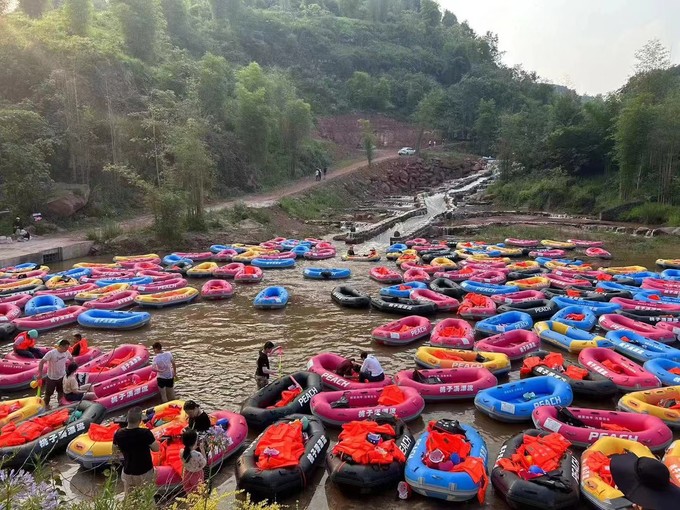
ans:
x=24 y=345
x=644 y=481
x=262 y=372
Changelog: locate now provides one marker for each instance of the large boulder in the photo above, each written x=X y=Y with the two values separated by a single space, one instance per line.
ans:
x=66 y=199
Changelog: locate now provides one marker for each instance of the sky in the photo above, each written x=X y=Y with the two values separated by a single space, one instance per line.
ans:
x=587 y=45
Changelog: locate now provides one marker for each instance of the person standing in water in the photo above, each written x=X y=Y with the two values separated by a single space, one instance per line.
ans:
x=164 y=364
x=263 y=371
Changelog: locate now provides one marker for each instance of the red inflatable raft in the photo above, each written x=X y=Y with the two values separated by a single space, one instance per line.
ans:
x=50 y=320
x=326 y=363
x=217 y=289
x=453 y=333
x=402 y=331
x=445 y=384
x=514 y=344
x=627 y=375
x=384 y=274
x=442 y=302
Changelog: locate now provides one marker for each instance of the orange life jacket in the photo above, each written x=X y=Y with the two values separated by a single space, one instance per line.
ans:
x=575 y=316
x=613 y=366
x=83 y=347
x=119 y=361
x=599 y=464
x=280 y=446
x=544 y=452
x=444 y=355
x=675 y=371
x=576 y=372
x=573 y=293
x=474 y=467
x=614 y=427
x=166 y=415
x=391 y=395
x=287 y=396
x=552 y=360
x=105 y=433
x=7 y=409
x=452 y=331
x=30 y=430
x=353 y=443
x=23 y=342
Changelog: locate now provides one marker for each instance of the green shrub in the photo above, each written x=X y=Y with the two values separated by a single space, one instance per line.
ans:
x=168 y=211
x=316 y=203
x=106 y=233
x=241 y=212
x=652 y=213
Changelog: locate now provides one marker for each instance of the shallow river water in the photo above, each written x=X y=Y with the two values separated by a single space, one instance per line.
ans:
x=216 y=345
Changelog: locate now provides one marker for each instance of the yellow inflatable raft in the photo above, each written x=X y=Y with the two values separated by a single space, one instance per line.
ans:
x=659 y=403
x=89 y=295
x=506 y=252
x=668 y=263
x=95 y=265
x=20 y=409
x=623 y=269
x=26 y=282
x=128 y=258
x=246 y=256
x=167 y=298
x=202 y=270
x=593 y=486
x=444 y=263
x=556 y=264
x=532 y=283
x=360 y=258
x=92 y=453
x=436 y=357
x=524 y=265
x=560 y=245
x=56 y=282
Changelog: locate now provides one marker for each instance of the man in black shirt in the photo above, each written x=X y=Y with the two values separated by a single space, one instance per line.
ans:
x=136 y=445
x=263 y=371
x=198 y=419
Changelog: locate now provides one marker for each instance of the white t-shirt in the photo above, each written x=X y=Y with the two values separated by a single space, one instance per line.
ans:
x=372 y=366
x=56 y=363
x=163 y=364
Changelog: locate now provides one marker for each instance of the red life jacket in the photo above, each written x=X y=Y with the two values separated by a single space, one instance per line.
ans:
x=280 y=446
x=287 y=396
x=82 y=347
x=23 y=342
x=391 y=395
x=353 y=443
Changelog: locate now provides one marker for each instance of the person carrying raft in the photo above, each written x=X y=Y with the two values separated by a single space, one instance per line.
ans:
x=370 y=371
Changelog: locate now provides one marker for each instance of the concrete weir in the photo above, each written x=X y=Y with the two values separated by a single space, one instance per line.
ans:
x=43 y=251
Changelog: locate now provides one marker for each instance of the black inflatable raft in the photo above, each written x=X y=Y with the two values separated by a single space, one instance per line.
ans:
x=402 y=306
x=589 y=295
x=526 y=273
x=538 y=310
x=651 y=316
x=593 y=385
x=255 y=411
x=277 y=483
x=369 y=478
x=350 y=297
x=81 y=416
x=429 y=256
x=447 y=287
x=556 y=490
x=7 y=330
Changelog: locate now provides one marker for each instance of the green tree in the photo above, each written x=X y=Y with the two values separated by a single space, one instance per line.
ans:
x=253 y=112
x=633 y=128
x=652 y=56
x=430 y=13
x=214 y=86
x=449 y=19
x=79 y=16
x=297 y=124
x=368 y=139
x=26 y=143
x=178 y=20
x=34 y=8
x=486 y=126
x=139 y=23
x=225 y=9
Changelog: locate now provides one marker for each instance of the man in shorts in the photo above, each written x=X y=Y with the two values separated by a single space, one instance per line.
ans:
x=57 y=360
x=164 y=365
x=136 y=444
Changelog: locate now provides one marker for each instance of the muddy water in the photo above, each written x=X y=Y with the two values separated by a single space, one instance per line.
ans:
x=216 y=345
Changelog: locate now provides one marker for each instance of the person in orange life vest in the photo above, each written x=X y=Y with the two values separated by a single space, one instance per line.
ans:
x=79 y=345
x=164 y=364
x=644 y=481
x=57 y=359
x=24 y=345
x=370 y=371
x=262 y=372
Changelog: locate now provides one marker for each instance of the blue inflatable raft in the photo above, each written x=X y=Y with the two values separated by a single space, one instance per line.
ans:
x=569 y=338
x=402 y=290
x=173 y=260
x=655 y=296
x=273 y=263
x=670 y=274
x=397 y=248
x=661 y=368
x=613 y=286
x=108 y=319
x=300 y=250
x=586 y=323
x=447 y=485
x=271 y=298
x=76 y=272
x=487 y=289
x=515 y=401
x=597 y=307
x=635 y=278
x=504 y=322
x=43 y=304
x=641 y=348
x=326 y=273
x=135 y=280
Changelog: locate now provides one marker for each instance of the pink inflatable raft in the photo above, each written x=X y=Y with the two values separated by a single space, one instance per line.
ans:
x=121 y=360
x=445 y=384
x=403 y=402
x=615 y=322
x=196 y=257
x=157 y=276
x=9 y=312
x=642 y=428
x=633 y=304
x=113 y=301
x=476 y=307
x=68 y=293
x=455 y=333
x=598 y=253
x=229 y=270
x=402 y=331
x=19 y=300
x=458 y=276
x=581 y=243
x=418 y=241
x=99 y=275
x=384 y=274
x=227 y=436
x=562 y=282
x=89 y=354
x=443 y=303
x=514 y=344
x=522 y=296
x=326 y=363
x=50 y=320
x=228 y=254
x=320 y=254
x=495 y=277
x=485 y=265
x=217 y=289
x=249 y=274
x=428 y=268
x=625 y=374
x=416 y=275
x=161 y=286
x=522 y=243
x=549 y=254
x=667 y=287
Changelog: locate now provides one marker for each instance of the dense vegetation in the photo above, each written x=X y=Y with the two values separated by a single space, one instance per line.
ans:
x=163 y=103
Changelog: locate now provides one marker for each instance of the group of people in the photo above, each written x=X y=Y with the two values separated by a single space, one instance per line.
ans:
x=319 y=172
x=57 y=370
x=371 y=253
